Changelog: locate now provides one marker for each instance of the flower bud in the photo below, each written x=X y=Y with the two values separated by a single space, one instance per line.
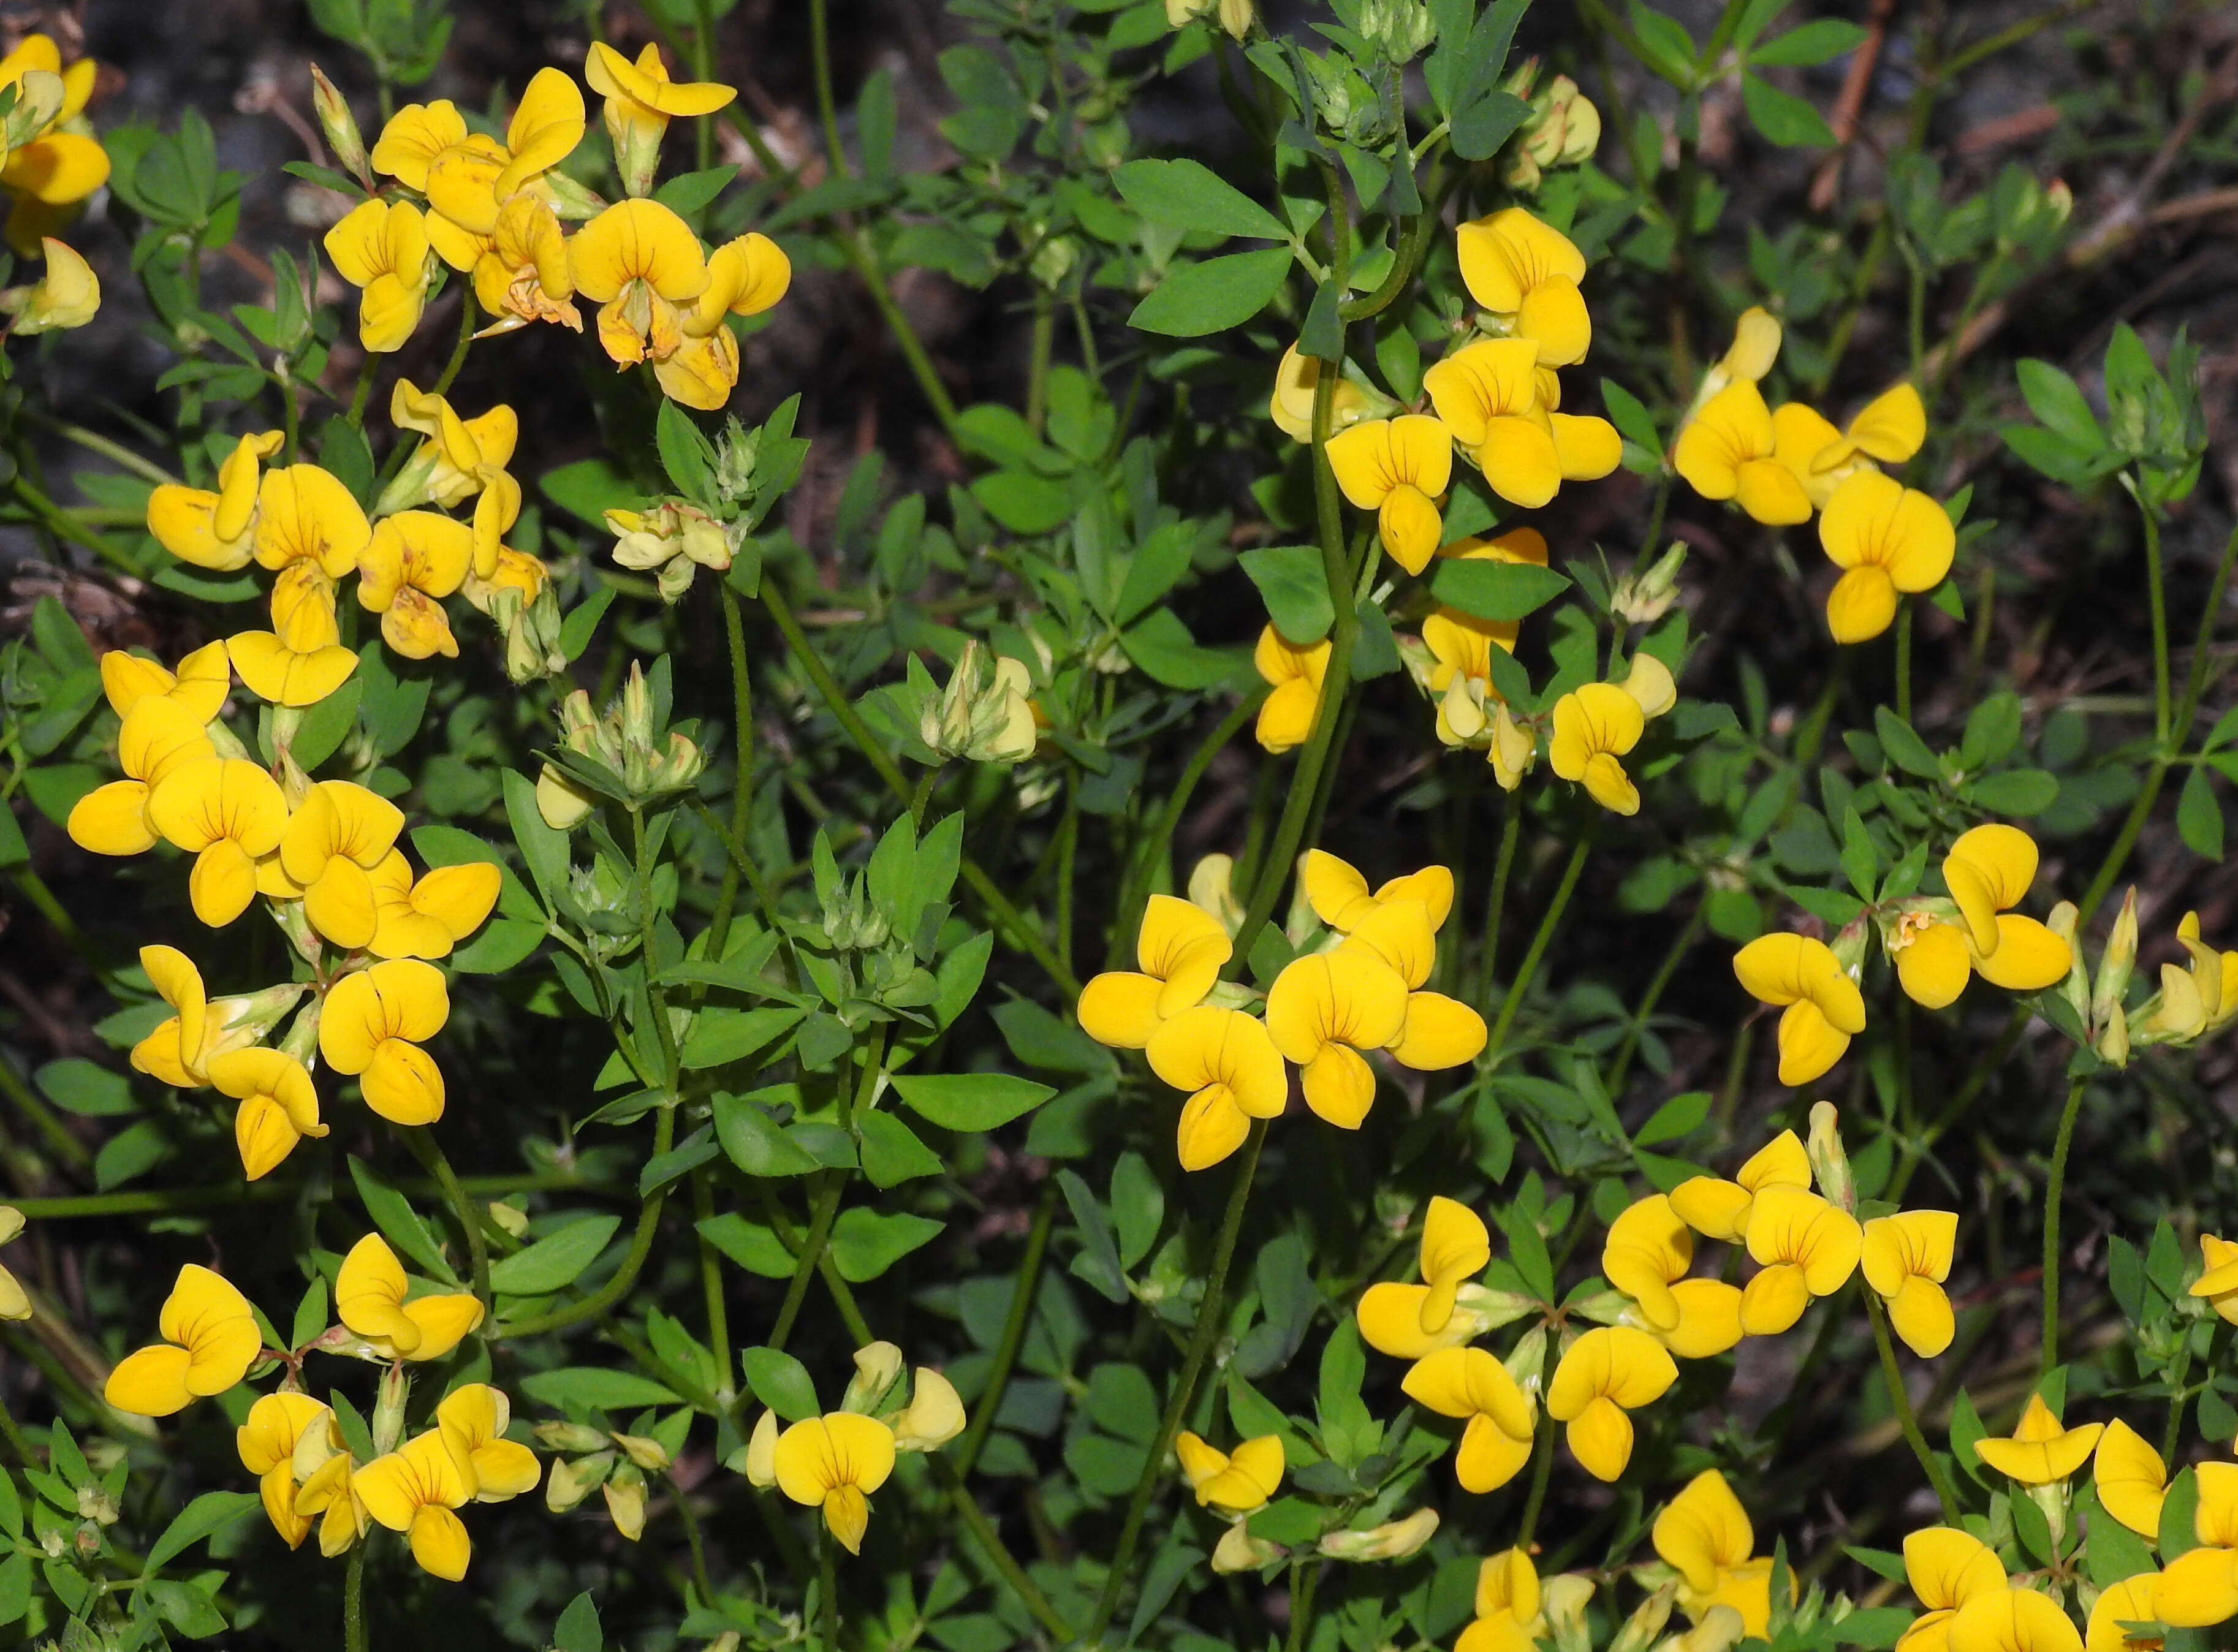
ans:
x=563 y=803
x=1643 y=598
x=2075 y=991
x=647 y=1453
x=389 y=1408
x=933 y=1417
x=1607 y=1308
x=1212 y=889
x=1829 y=1162
x=1394 y=1540
x=1239 y=1551
x=760 y=1466
x=1647 y=1621
x=95 y=1505
x=1719 y=1629
x=2112 y=1043
x=574 y=1438
x=302 y=1039
x=570 y=1481
x=510 y=1217
x=340 y=127
x=2115 y=963
x=1053 y=261
x=624 y=1493
x=1402 y=30
x=237 y=1023
x=1527 y=1362
x=66 y=295
x=1461 y=716
x=1513 y=752
x=39 y=99
x=1563 y=1599
x=985 y=714
x=877 y=1369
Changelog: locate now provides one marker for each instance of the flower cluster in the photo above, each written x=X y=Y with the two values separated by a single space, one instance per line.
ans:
x=492 y=210
x=1935 y=943
x=306 y=1466
x=1782 y=464
x=835 y=1461
x=1356 y=986
x=50 y=164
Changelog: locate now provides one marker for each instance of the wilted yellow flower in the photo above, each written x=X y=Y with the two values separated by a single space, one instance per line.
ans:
x=1233 y=15
x=639 y=261
x=459 y=455
x=210 y=1340
x=523 y=275
x=744 y=277
x=933 y=1417
x=415 y=558
x=66 y=295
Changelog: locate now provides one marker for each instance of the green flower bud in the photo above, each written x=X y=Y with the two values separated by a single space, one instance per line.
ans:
x=340 y=127
x=1394 y=1540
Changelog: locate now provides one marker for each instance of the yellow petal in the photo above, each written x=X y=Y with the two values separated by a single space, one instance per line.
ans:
x=638 y=240
x=1438 y=1033
x=151 y=1382
x=1520 y=461
x=1934 y=968
x=1892 y=426
x=2198 y=1589
x=1704 y=1530
x=2013 y=1620
x=1947 y=1568
x=1552 y=316
x=414 y=136
x=546 y=126
x=1769 y=492
x=1733 y=427
x=1709 y=1319
x=1601 y=1439
x=1119 y=1009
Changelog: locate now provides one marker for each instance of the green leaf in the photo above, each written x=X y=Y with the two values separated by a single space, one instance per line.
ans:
x=185 y=1607
x=2058 y=403
x=589 y=488
x=720 y=1036
x=1193 y=300
x=970 y=1100
x=1904 y=748
x=2016 y=791
x=865 y=1243
x=398 y=1222
x=1495 y=590
x=686 y=453
x=892 y=1152
x=1480 y=129
x=1681 y=1115
x=544 y=849
x=1667 y=50
x=131 y=1152
x=578 y=1630
x=310 y=1313
x=753 y=1140
x=1815 y=43
x=780 y=1382
x=1185 y=194
x=1163 y=647
x=1781 y=117
x=1138 y=1206
x=1633 y=420
x=209 y=1514
x=685 y=193
x=592 y=1388
x=751 y=1245
x=327 y=724
x=2199 y=816
x=2179 y=1515
x=555 y=1260
x=1098 y=1261
x=1292 y=584
x=80 y=1086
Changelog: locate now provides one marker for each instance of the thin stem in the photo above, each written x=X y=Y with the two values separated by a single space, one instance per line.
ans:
x=827 y=1546
x=1541 y=1468
x=827 y=108
x=1904 y=661
x=2177 y=1394
x=997 y=1553
x=358 y=397
x=811 y=1247
x=663 y=1138
x=429 y=1152
x=1210 y=1316
x=1905 y=1417
x=2049 y=1355
x=167 y=1200
x=742 y=737
x=94 y=442
x=1037 y=359
x=354 y=1635
x=1305 y=1578
x=467 y=316
x=710 y=1288
x=1539 y=943
x=1495 y=906
x=703 y=69
x=48 y=1122
x=1953 y=1109
x=66 y=527
x=1023 y=1292
x=1661 y=979
x=25 y=1452
x=2159 y=595
x=691 y=1537
x=1169 y=823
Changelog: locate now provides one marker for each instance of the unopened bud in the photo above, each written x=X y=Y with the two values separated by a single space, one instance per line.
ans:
x=1212 y=890
x=1647 y=1621
x=1829 y=1162
x=340 y=127
x=1563 y=1599
x=985 y=714
x=511 y=1219
x=676 y=538
x=2074 y=990
x=760 y=1467
x=2115 y=963
x=878 y=1368
x=1394 y=1540
x=1526 y=1362
x=624 y=1493
x=39 y=100
x=2112 y=1043
x=933 y=1417
x=1720 y=1629
x=1513 y=752
x=240 y=1023
x=572 y=1480
x=1053 y=261
x=562 y=803
x=1239 y=1551
x=1643 y=598
x=647 y=1453
x=389 y=1408
x=94 y=1504
x=572 y=1437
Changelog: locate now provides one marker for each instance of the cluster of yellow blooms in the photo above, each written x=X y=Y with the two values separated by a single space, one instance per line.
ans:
x=50 y=163
x=1356 y=987
x=1781 y=464
x=491 y=210
x=294 y=1445
x=834 y=1462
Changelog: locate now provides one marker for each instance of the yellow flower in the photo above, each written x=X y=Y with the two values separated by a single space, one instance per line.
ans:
x=15 y=1302
x=66 y=295
x=1412 y=1321
x=372 y=1026
x=304 y=515
x=1180 y=950
x=1647 y=1251
x=300 y=660
x=1720 y=1210
x=1799 y=435
x=175 y=1051
x=1438 y=1031
x=157 y=737
x=1987 y=871
x=2039 y=1451
x=199 y=686
x=1807 y=1248
x=279 y=1105
x=744 y=277
x=1595 y=726
x=1525 y=273
x=1468 y=1383
x=1946 y=1568
x=1906 y=1259
x=471 y=1420
x=327 y=1476
x=1754 y=348
x=467 y=178
x=414 y=1489
x=1887 y=538
x=1508 y=1614
x=455 y=461
x=2129 y=1601
x=266 y=1445
x=1609 y=1371
x=2195 y=1002
x=369 y=1296
x=1704 y=1535
x=1286 y=717
x=1236 y=1482
x=213 y=530
x=1291 y=406
x=1233 y=15
x=834 y=1462
x=228 y=813
x=210 y=1340
x=414 y=136
x=1729 y=451
x=2219 y=1281
x=1890 y=428
x=2012 y=1620
x=1397 y=467
x=1339 y=896
x=2199 y=1588
x=933 y=1417
x=415 y=558
x=2132 y=1481
x=1497 y=398
x=637 y=260
x=1232 y=1072
x=1823 y=1009
x=381 y=247
x=333 y=842
x=1323 y=1011
x=523 y=275
x=1460 y=644
x=53 y=169
x=427 y=917
x=640 y=101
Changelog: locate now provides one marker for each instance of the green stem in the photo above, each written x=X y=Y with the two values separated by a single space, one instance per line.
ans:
x=742 y=737
x=66 y=527
x=1953 y=1109
x=693 y=1540
x=1495 y=906
x=1305 y=1578
x=17 y=1443
x=710 y=1288
x=354 y=1635
x=2048 y=1355
x=167 y=1201
x=429 y=1152
x=1539 y=943
x=1904 y=661
x=1037 y=359
x=827 y=108
x=44 y=1118
x=1007 y=917
x=703 y=69
x=2157 y=590
x=827 y=1546
x=2177 y=1394
x=467 y=314
x=1542 y=1466
x=1664 y=973
x=1023 y=1292
x=811 y=1249
x=358 y=397
x=1160 y=841
x=94 y=442
x=1210 y=1316
x=1905 y=1417
x=997 y=1553
x=663 y=1138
